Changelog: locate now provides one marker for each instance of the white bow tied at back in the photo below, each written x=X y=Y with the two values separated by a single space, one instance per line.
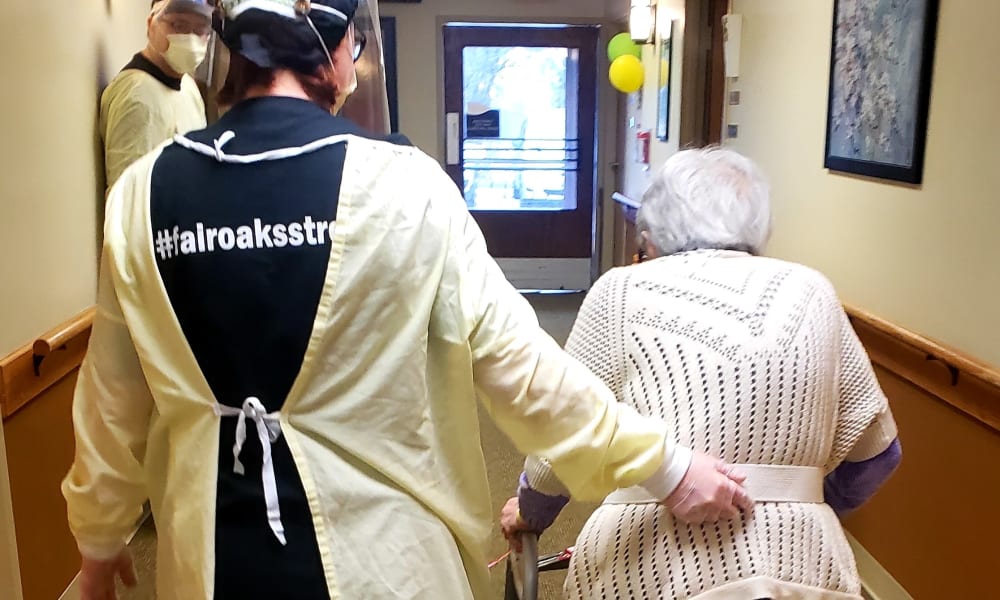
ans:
x=268 y=431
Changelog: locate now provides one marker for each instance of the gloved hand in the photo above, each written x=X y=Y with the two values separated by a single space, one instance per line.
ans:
x=97 y=577
x=710 y=490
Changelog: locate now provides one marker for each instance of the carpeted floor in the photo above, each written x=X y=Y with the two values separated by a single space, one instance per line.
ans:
x=143 y=549
x=556 y=313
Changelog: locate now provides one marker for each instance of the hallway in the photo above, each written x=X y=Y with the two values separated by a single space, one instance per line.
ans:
x=891 y=197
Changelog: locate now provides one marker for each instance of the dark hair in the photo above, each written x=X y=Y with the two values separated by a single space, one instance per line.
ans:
x=244 y=75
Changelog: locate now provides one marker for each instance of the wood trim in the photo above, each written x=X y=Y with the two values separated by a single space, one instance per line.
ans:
x=703 y=85
x=694 y=75
x=626 y=247
x=967 y=384
x=32 y=369
x=716 y=78
x=63 y=334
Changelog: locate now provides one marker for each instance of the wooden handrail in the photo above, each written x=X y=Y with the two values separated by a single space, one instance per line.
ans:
x=58 y=337
x=971 y=386
x=949 y=356
x=27 y=372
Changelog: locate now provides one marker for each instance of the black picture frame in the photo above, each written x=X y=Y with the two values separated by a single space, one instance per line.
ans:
x=388 y=25
x=881 y=62
x=664 y=72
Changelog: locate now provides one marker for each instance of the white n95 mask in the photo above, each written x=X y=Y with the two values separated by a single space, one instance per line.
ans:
x=185 y=52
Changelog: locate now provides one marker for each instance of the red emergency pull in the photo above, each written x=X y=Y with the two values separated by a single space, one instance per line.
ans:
x=643 y=139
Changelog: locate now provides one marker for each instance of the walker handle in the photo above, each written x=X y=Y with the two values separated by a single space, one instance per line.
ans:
x=529 y=545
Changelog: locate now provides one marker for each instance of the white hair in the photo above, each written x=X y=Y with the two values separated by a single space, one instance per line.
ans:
x=710 y=198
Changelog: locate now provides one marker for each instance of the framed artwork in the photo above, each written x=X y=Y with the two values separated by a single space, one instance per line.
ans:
x=663 y=85
x=388 y=25
x=880 y=84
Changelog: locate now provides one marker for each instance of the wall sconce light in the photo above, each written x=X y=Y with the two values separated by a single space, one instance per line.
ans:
x=642 y=21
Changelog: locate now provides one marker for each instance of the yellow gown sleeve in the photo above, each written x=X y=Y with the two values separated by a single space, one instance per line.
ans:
x=596 y=340
x=112 y=405
x=136 y=124
x=544 y=400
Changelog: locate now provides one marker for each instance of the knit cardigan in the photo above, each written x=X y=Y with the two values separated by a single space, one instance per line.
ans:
x=749 y=359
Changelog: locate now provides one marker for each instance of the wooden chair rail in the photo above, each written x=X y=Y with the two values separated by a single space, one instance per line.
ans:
x=32 y=369
x=61 y=335
x=966 y=383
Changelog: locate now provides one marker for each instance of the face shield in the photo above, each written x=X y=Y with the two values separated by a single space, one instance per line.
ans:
x=211 y=75
x=198 y=10
x=194 y=18
x=368 y=106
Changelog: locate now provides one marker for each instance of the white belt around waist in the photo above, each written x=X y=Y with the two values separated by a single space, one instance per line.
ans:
x=268 y=431
x=765 y=483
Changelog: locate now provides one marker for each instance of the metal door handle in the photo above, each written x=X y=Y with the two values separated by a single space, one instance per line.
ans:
x=453 y=132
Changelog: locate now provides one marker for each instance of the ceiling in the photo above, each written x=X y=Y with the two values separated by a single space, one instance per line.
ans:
x=617 y=9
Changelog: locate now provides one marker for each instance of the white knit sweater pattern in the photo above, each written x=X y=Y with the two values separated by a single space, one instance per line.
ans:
x=749 y=359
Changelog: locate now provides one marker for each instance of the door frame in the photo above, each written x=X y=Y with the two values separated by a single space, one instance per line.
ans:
x=703 y=86
x=606 y=118
x=563 y=234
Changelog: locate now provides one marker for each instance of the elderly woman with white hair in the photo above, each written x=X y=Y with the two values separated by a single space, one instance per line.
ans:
x=750 y=359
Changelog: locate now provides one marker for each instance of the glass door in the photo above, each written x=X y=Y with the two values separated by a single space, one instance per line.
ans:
x=520 y=106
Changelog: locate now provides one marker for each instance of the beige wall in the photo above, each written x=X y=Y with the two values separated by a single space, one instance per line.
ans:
x=48 y=251
x=57 y=54
x=923 y=257
x=642 y=106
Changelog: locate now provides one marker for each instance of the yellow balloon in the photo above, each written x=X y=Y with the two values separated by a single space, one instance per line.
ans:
x=626 y=74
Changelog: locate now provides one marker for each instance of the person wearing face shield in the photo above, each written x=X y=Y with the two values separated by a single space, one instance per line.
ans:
x=154 y=97
x=288 y=348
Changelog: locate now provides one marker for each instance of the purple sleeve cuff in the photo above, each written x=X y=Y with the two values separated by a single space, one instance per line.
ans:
x=852 y=483
x=538 y=510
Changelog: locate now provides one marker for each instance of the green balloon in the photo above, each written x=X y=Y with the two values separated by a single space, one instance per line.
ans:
x=622 y=45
